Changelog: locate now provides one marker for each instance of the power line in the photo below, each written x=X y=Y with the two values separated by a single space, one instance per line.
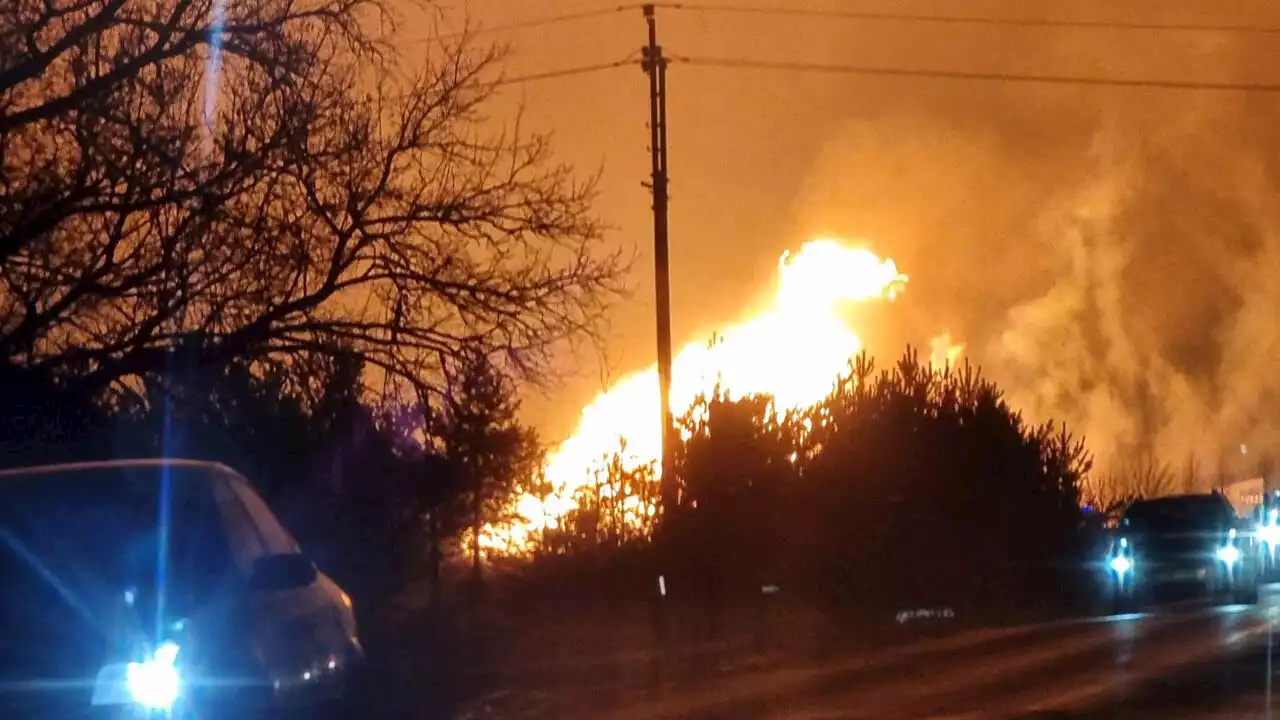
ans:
x=969 y=20
x=548 y=75
x=743 y=64
x=536 y=23
x=566 y=72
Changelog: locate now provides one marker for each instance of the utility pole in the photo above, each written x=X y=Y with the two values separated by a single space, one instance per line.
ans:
x=655 y=66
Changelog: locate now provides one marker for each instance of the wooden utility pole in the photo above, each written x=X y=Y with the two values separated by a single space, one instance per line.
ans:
x=655 y=66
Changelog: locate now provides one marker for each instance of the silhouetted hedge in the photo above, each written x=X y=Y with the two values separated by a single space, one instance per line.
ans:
x=903 y=488
x=907 y=487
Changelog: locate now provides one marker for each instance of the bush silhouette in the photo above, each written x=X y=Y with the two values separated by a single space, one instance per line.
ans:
x=907 y=486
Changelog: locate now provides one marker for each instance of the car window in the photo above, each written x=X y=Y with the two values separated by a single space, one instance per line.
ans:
x=247 y=543
x=102 y=530
x=1190 y=512
x=274 y=537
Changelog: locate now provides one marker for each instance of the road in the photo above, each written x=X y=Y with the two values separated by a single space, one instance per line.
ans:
x=1180 y=661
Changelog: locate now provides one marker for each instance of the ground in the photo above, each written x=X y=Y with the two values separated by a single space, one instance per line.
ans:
x=1181 y=660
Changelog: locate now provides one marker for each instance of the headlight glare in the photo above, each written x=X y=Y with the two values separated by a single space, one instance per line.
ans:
x=1121 y=564
x=1269 y=534
x=1229 y=554
x=154 y=683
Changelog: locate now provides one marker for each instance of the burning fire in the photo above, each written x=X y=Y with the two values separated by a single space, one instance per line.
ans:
x=944 y=352
x=794 y=351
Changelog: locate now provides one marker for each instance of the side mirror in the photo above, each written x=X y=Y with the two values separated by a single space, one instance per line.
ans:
x=274 y=573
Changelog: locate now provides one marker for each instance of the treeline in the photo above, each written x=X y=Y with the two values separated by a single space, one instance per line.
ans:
x=909 y=487
x=906 y=487
x=380 y=491
x=246 y=235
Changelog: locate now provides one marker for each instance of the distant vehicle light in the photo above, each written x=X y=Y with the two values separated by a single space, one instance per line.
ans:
x=1121 y=564
x=1269 y=534
x=1229 y=554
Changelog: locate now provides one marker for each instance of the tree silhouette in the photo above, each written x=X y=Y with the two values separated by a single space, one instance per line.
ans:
x=617 y=507
x=39 y=422
x=915 y=484
x=479 y=434
x=266 y=176
x=1138 y=477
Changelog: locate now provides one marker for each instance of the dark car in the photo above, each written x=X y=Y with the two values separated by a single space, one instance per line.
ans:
x=161 y=588
x=1194 y=542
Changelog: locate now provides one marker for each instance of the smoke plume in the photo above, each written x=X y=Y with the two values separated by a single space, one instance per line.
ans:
x=1109 y=257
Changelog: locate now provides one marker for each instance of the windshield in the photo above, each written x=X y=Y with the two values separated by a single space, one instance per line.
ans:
x=1197 y=512
x=98 y=533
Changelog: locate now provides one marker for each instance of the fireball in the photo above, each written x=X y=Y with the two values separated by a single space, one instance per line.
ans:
x=794 y=351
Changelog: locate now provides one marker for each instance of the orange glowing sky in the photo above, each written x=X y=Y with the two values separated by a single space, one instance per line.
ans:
x=969 y=187
x=944 y=177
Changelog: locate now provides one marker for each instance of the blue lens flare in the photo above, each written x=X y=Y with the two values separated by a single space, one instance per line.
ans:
x=154 y=684
x=1229 y=554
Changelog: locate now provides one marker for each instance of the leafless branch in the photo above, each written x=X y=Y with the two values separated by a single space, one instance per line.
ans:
x=274 y=192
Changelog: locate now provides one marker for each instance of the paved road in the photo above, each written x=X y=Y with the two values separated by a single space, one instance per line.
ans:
x=1161 y=665
x=1188 y=661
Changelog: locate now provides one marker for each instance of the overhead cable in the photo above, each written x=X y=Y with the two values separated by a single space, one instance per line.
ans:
x=538 y=22
x=566 y=72
x=1080 y=80
x=971 y=20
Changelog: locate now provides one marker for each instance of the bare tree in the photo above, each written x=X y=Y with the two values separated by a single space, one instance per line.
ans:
x=1190 y=480
x=259 y=179
x=1142 y=477
x=617 y=506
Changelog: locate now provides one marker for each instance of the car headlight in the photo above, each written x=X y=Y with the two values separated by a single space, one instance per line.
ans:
x=154 y=683
x=1269 y=534
x=1121 y=560
x=1229 y=554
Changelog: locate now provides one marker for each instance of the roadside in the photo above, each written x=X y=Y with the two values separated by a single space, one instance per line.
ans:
x=1020 y=666
x=696 y=678
x=515 y=656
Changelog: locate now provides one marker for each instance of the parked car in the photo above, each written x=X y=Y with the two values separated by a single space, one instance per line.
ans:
x=144 y=588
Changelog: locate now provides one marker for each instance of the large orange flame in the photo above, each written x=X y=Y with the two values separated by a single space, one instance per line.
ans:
x=794 y=350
